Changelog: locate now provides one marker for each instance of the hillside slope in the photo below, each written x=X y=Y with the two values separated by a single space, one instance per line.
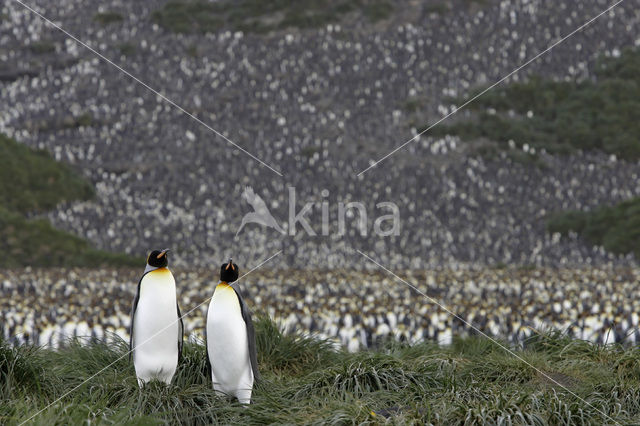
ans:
x=319 y=100
x=31 y=182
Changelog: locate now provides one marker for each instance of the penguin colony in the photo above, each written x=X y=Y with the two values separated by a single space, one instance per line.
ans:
x=356 y=309
x=317 y=104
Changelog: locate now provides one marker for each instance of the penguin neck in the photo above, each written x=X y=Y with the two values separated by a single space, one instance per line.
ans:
x=223 y=284
x=150 y=268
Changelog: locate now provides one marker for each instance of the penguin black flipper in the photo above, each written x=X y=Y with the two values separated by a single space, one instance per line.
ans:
x=134 y=307
x=251 y=335
x=180 y=333
x=206 y=346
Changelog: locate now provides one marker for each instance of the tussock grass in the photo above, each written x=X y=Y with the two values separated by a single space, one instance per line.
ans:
x=616 y=228
x=127 y=49
x=560 y=117
x=259 y=16
x=106 y=18
x=307 y=380
x=31 y=182
x=42 y=47
x=290 y=354
x=35 y=242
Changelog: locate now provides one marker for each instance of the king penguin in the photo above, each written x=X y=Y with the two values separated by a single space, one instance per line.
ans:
x=231 y=344
x=156 y=330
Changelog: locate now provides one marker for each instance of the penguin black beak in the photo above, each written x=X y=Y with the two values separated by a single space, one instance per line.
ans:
x=163 y=252
x=230 y=263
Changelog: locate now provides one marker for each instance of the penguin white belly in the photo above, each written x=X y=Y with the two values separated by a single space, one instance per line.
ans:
x=155 y=328
x=228 y=345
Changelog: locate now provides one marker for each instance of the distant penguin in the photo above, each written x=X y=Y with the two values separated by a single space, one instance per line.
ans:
x=156 y=329
x=231 y=346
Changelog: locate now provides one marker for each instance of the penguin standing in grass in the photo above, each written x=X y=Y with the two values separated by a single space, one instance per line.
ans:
x=231 y=345
x=156 y=328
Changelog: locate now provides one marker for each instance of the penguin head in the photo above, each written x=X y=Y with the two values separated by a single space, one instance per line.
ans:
x=229 y=272
x=158 y=258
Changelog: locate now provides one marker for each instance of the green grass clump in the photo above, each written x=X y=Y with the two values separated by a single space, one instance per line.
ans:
x=127 y=49
x=106 y=18
x=198 y=16
x=561 y=117
x=67 y=122
x=32 y=182
x=616 y=228
x=472 y=381
x=290 y=354
x=84 y=120
x=377 y=10
x=34 y=242
x=42 y=47
x=437 y=8
x=22 y=371
x=442 y=7
x=192 y=50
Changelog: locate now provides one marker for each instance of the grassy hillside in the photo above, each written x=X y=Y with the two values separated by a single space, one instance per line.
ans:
x=560 y=117
x=106 y=18
x=306 y=381
x=198 y=16
x=37 y=243
x=616 y=228
x=32 y=182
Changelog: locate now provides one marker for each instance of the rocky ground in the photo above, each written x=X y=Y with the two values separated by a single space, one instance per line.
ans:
x=356 y=309
x=317 y=105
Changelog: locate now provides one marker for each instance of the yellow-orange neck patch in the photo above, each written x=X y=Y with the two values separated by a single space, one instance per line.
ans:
x=224 y=286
